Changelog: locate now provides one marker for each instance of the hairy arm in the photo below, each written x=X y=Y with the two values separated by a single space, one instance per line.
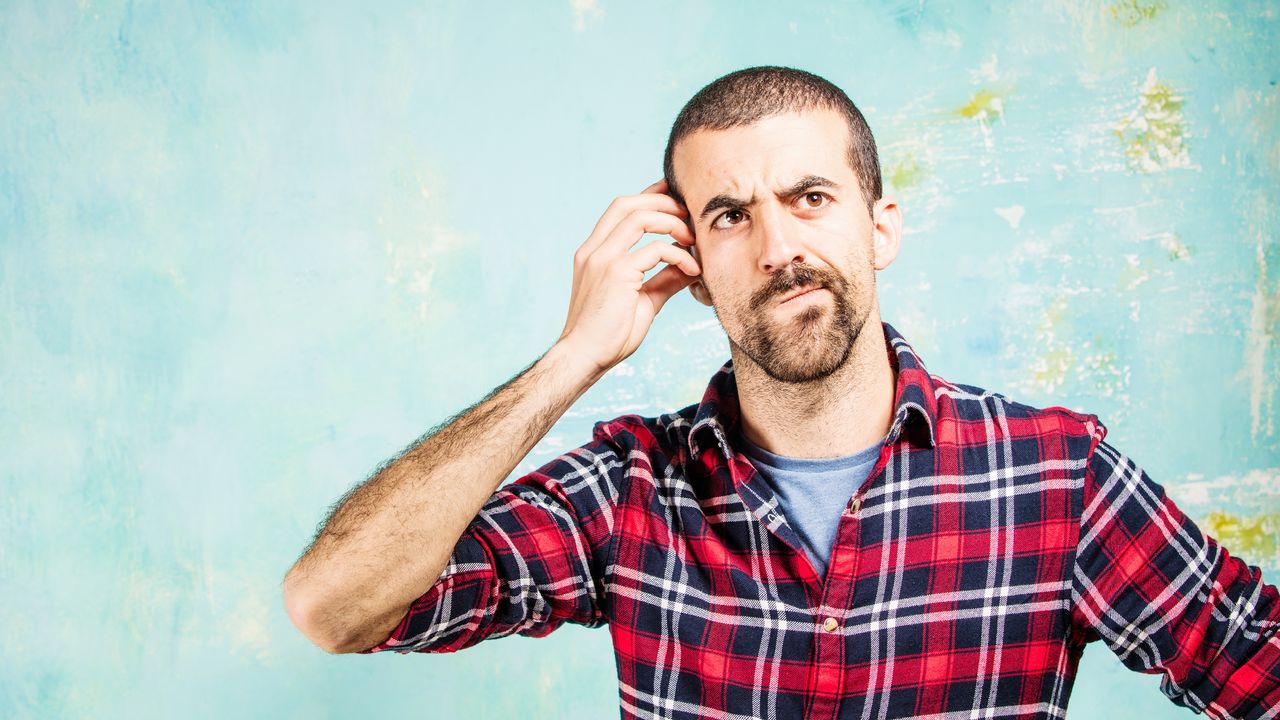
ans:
x=389 y=539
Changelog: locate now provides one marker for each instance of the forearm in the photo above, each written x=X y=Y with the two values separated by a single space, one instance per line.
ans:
x=391 y=538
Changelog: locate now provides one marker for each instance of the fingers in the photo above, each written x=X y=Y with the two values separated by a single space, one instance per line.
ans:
x=662 y=287
x=647 y=257
x=671 y=279
x=629 y=232
x=623 y=206
x=636 y=224
x=658 y=187
x=653 y=198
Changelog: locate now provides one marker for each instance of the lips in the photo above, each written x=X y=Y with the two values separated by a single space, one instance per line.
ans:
x=798 y=293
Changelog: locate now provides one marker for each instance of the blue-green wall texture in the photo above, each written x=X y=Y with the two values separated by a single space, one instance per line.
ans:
x=249 y=251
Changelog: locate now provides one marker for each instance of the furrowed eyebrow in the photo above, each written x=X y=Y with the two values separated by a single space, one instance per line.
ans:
x=727 y=201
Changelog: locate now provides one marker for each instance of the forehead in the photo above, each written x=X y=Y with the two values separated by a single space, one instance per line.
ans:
x=775 y=151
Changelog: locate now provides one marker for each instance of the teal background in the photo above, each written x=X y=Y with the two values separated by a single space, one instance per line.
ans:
x=247 y=252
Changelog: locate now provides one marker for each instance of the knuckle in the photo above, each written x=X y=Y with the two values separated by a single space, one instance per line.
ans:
x=633 y=221
x=653 y=218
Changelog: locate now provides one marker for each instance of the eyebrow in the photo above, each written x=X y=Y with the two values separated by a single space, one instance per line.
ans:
x=727 y=201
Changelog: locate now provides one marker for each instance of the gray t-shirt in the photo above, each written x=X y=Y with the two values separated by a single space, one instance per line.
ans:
x=812 y=492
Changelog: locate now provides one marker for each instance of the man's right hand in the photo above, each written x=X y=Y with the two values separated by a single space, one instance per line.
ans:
x=392 y=537
x=612 y=305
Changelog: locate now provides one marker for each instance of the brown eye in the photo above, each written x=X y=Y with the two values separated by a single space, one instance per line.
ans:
x=814 y=199
x=729 y=219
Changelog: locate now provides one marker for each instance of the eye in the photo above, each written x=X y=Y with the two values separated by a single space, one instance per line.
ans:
x=814 y=200
x=733 y=216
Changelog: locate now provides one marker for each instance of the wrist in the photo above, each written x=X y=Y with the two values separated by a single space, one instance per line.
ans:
x=570 y=361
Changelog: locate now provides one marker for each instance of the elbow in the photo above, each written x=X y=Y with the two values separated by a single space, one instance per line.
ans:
x=318 y=621
x=327 y=623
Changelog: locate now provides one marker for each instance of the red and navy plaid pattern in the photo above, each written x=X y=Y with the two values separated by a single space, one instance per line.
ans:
x=990 y=543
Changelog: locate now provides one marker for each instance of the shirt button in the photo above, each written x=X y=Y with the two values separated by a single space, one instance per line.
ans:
x=830 y=624
x=856 y=506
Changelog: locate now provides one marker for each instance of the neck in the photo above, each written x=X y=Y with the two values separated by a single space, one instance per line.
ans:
x=841 y=414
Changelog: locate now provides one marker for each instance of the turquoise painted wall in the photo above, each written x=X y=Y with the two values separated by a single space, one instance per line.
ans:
x=248 y=252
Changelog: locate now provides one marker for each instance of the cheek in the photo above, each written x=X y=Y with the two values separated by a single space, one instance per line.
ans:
x=719 y=286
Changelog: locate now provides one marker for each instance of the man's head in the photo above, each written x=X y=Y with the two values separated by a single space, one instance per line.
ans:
x=746 y=96
x=779 y=173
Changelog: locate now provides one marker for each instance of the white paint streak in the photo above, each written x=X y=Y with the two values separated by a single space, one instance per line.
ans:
x=1259 y=340
x=700 y=326
x=622 y=369
x=413 y=265
x=988 y=71
x=582 y=10
x=1256 y=488
x=1012 y=215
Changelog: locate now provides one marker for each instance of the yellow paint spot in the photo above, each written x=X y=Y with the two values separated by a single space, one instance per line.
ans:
x=1050 y=368
x=905 y=172
x=1131 y=13
x=986 y=104
x=1065 y=362
x=1251 y=538
x=1154 y=134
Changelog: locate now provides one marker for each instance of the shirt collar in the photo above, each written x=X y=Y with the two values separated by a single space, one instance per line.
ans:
x=915 y=404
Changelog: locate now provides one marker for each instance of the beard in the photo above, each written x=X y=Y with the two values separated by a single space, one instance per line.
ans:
x=809 y=344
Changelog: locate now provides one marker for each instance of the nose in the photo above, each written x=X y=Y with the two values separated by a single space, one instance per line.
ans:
x=778 y=247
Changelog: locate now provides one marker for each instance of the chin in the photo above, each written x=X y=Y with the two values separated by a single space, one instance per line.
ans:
x=810 y=347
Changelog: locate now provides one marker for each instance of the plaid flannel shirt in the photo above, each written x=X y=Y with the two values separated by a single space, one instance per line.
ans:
x=989 y=544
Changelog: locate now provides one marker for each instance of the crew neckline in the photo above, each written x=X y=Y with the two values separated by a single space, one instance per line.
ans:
x=844 y=462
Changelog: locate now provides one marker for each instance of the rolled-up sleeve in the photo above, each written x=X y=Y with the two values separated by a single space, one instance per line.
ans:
x=1166 y=598
x=535 y=557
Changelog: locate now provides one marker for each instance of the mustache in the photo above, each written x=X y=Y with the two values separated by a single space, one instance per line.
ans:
x=781 y=283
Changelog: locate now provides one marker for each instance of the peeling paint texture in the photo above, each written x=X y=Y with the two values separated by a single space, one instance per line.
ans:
x=250 y=251
x=1154 y=135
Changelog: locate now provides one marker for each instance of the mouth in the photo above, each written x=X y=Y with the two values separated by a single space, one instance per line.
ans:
x=800 y=293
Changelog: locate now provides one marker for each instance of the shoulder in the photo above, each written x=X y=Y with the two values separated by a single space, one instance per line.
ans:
x=659 y=435
x=964 y=409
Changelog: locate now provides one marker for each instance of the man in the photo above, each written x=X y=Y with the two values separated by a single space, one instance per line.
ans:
x=832 y=531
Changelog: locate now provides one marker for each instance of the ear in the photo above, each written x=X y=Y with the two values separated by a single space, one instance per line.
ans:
x=697 y=289
x=886 y=232
x=699 y=292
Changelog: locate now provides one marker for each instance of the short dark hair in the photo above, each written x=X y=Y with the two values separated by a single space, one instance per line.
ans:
x=752 y=94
